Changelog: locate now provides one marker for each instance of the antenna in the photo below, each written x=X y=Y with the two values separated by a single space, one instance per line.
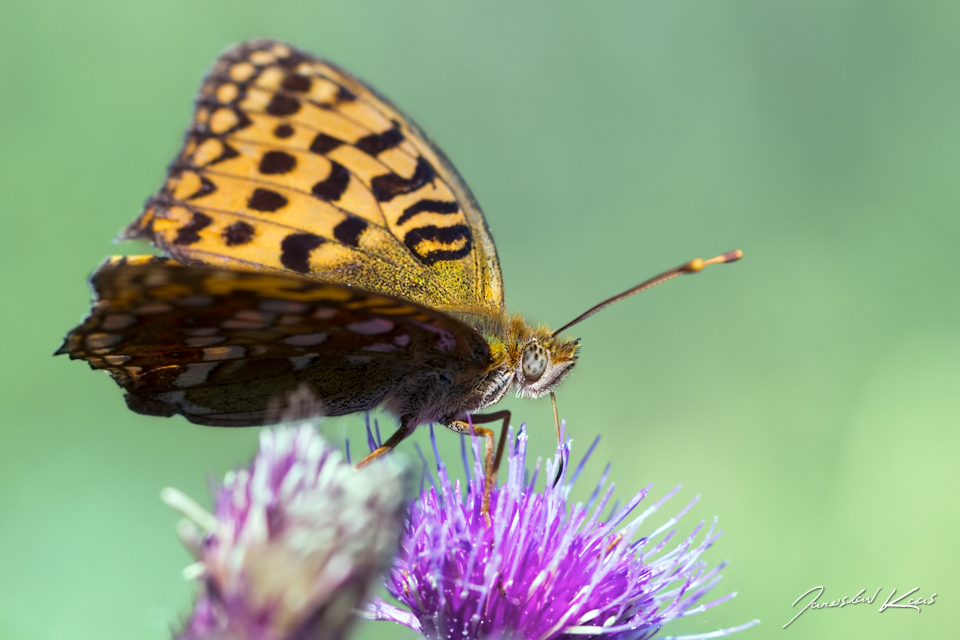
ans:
x=693 y=266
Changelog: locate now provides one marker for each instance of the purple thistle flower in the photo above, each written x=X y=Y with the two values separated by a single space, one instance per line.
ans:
x=545 y=569
x=296 y=541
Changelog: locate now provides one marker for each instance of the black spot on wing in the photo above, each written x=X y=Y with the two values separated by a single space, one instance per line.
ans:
x=390 y=185
x=430 y=206
x=277 y=162
x=266 y=200
x=333 y=186
x=377 y=143
x=324 y=144
x=292 y=60
x=453 y=235
x=281 y=105
x=345 y=95
x=295 y=251
x=238 y=233
x=283 y=131
x=190 y=232
x=349 y=231
x=297 y=83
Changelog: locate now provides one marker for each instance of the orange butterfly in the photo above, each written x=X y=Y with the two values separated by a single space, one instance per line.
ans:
x=316 y=238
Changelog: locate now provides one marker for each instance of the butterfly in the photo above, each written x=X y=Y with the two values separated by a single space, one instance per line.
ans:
x=315 y=237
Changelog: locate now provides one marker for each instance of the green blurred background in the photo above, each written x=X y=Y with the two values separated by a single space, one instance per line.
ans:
x=809 y=393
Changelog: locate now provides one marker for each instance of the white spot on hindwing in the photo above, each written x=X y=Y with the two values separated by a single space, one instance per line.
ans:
x=305 y=339
x=250 y=319
x=97 y=341
x=381 y=347
x=153 y=307
x=371 y=327
x=195 y=374
x=117 y=321
x=283 y=306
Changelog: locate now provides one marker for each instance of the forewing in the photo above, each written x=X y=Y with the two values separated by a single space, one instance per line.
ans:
x=223 y=347
x=292 y=164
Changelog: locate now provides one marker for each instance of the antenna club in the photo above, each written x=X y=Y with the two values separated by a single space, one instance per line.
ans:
x=694 y=265
x=732 y=256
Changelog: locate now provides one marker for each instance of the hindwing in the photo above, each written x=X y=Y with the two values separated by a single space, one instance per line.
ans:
x=220 y=346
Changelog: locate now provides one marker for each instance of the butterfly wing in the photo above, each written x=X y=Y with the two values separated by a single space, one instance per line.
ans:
x=222 y=346
x=292 y=164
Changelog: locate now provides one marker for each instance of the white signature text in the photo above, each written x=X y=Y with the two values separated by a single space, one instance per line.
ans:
x=890 y=603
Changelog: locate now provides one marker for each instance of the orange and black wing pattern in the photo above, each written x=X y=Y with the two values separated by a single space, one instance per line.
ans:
x=293 y=165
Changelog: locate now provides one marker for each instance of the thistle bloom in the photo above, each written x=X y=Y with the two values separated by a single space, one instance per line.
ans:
x=295 y=543
x=544 y=569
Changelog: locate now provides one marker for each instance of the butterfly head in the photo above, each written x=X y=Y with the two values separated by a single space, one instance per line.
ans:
x=543 y=361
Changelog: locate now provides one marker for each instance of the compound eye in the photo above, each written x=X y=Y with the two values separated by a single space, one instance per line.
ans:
x=534 y=362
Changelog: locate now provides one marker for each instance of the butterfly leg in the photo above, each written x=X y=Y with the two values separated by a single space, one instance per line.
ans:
x=406 y=428
x=491 y=462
